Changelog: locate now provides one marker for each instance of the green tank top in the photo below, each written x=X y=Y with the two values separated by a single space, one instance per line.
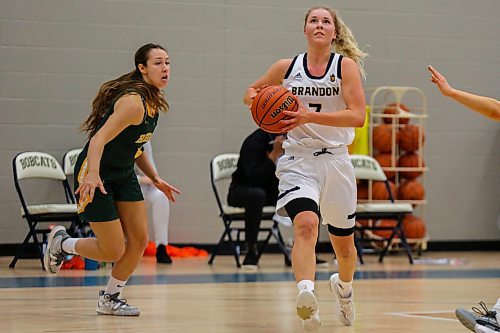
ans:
x=119 y=154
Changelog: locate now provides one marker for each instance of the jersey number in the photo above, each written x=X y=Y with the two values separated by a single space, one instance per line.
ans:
x=317 y=106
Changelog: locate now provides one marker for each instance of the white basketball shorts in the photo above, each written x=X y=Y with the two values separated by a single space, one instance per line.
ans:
x=323 y=175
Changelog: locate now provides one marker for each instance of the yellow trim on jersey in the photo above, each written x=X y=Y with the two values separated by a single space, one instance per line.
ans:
x=150 y=110
x=81 y=174
x=138 y=153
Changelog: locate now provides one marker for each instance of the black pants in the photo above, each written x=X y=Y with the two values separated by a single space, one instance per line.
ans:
x=253 y=199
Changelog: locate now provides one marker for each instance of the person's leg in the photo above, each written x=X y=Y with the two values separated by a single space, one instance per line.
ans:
x=133 y=220
x=305 y=226
x=253 y=200
x=346 y=254
x=304 y=214
x=341 y=283
x=160 y=215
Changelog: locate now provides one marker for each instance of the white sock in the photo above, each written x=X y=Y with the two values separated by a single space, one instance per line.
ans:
x=345 y=288
x=69 y=245
x=305 y=285
x=114 y=286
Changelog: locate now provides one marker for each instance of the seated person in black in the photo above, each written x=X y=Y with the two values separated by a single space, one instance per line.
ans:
x=254 y=184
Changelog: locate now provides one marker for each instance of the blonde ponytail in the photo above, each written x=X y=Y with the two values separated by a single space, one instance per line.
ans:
x=346 y=45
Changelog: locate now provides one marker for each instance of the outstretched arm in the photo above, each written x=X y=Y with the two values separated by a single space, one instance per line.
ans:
x=488 y=107
x=150 y=171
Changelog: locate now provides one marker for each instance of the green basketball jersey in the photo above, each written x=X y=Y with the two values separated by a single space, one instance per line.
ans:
x=119 y=154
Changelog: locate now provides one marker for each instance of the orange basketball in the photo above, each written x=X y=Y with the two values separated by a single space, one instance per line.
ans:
x=385 y=160
x=384 y=223
x=411 y=190
x=408 y=137
x=410 y=160
x=379 y=191
x=414 y=227
x=363 y=223
x=268 y=106
x=394 y=109
x=362 y=192
x=382 y=138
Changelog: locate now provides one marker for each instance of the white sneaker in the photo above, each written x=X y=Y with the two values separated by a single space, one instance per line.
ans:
x=308 y=310
x=345 y=306
x=54 y=255
x=483 y=329
x=112 y=305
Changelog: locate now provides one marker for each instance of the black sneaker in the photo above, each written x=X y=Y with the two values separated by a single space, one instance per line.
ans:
x=250 y=262
x=321 y=262
x=162 y=256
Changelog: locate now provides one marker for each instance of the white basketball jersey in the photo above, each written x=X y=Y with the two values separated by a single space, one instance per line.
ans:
x=319 y=94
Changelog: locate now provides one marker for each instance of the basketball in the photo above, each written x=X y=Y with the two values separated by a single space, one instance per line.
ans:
x=362 y=190
x=411 y=190
x=394 y=109
x=268 y=106
x=379 y=191
x=414 y=227
x=410 y=160
x=363 y=223
x=384 y=223
x=408 y=137
x=382 y=138
x=385 y=160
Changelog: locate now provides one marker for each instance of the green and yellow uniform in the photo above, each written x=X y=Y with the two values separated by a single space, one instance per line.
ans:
x=116 y=168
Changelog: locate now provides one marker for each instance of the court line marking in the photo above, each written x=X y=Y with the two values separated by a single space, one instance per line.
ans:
x=421 y=314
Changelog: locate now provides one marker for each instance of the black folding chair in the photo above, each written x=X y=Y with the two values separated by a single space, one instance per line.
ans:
x=40 y=167
x=366 y=167
x=221 y=168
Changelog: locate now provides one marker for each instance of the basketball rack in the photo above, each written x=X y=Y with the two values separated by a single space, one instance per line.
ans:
x=415 y=99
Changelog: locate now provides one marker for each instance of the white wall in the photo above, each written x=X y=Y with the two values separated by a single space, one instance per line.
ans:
x=54 y=54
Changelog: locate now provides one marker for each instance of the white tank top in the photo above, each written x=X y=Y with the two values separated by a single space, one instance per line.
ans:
x=318 y=94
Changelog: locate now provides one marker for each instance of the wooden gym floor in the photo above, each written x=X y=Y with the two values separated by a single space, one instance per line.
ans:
x=191 y=296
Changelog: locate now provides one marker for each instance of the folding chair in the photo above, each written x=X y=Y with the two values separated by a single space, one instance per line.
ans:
x=40 y=166
x=221 y=169
x=366 y=167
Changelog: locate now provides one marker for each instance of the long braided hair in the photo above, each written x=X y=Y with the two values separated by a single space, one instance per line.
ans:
x=132 y=82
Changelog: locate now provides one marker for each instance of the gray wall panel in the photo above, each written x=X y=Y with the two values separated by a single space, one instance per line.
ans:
x=53 y=61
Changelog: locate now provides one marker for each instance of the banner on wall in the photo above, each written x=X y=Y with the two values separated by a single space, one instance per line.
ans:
x=360 y=145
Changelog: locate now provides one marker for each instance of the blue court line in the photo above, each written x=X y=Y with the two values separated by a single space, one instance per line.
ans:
x=162 y=279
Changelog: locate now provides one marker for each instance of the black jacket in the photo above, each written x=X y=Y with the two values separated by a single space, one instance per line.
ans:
x=254 y=167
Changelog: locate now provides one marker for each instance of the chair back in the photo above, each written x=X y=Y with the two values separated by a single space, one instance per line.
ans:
x=69 y=161
x=223 y=166
x=36 y=165
x=33 y=164
x=221 y=169
x=68 y=164
x=366 y=167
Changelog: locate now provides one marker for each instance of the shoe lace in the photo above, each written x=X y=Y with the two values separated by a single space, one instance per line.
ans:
x=484 y=311
x=58 y=257
x=116 y=302
x=346 y=306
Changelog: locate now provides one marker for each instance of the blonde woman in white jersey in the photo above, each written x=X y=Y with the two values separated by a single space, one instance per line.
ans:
x=316 y=176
